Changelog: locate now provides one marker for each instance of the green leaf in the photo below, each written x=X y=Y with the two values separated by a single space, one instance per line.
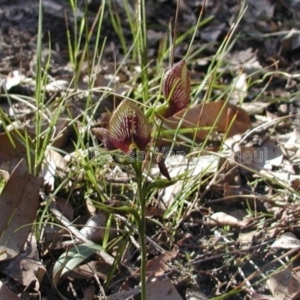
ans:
x=72 y=258
x=158 y=184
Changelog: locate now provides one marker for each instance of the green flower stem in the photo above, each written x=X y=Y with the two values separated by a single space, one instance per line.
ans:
x=137 y=165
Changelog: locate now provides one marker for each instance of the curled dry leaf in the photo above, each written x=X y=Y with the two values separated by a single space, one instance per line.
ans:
x=95 y=227
x=17 y=216
x=13 y=79
x=26 y=268
x=285 y=284
x=286 y=241
x=206 y=118
x=159 y=264
x=53 y=162
x=222 y=219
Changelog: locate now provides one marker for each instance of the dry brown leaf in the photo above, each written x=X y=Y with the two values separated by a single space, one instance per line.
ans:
x=6 y=293
x=158 y=265
x=89 y=293
x=63 y=132
x=13 y=79
x=4 y=175
x=95 y=227
x=224 y=116
x=255 y=108
x=162 y=290
x=257 y=158
x=284 y=285
x=65 y=208
x=123 y=295
x=9 y=152
x=52 y=164
x=223 y=219
x=286 y=241
x=293 y=140
x=19 y=202
x=240 y=89
x=256 y=296
x=295 y=184
x=290 y=41
x=259 y=9
x=179 y=164
x=245 y=239
x=246 y=60
x=195 y=294
x=167 y=196
x=87 y=271
x=154 y=211
x=52 y=235
x=26 y=268
x=156 y=290
x=212 y=31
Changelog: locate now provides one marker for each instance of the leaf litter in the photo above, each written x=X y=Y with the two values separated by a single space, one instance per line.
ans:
x=239 y=219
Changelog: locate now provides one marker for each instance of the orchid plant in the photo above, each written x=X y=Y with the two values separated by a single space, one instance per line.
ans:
x=129 y=130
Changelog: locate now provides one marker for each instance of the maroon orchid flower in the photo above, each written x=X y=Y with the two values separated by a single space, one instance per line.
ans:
x=176 y=88
x=103 y=135
x=128 y=129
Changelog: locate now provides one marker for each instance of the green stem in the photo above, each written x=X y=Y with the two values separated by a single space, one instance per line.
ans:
x=143 y=252
x=141 y=226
